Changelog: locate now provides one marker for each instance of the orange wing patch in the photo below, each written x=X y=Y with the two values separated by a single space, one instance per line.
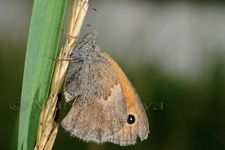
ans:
x=128 y=89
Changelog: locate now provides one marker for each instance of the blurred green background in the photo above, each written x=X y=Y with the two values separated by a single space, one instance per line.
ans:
x=172 y=51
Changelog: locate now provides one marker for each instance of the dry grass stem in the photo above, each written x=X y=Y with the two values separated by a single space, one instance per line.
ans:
x=47 y=127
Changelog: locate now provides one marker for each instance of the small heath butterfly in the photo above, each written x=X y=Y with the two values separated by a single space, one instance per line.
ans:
x=107 y=108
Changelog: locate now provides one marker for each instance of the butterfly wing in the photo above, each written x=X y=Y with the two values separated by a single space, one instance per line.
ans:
x=139 y=126
x=100 y=109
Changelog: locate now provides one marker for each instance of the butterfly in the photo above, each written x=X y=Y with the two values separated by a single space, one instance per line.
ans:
x=106 y=106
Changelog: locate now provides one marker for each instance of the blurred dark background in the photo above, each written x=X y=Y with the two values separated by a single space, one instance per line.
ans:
x=172 y=51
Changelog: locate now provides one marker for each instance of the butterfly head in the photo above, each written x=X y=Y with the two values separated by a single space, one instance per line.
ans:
x=86 y=46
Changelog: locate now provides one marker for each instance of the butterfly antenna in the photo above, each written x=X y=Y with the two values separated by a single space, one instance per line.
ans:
x=96 y=20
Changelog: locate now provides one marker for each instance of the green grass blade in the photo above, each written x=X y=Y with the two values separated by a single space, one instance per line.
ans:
x=45 y=29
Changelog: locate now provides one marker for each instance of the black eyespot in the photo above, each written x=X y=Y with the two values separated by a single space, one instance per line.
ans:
x=131 y=119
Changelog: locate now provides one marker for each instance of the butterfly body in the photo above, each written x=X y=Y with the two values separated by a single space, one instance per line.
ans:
x=107 y=107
